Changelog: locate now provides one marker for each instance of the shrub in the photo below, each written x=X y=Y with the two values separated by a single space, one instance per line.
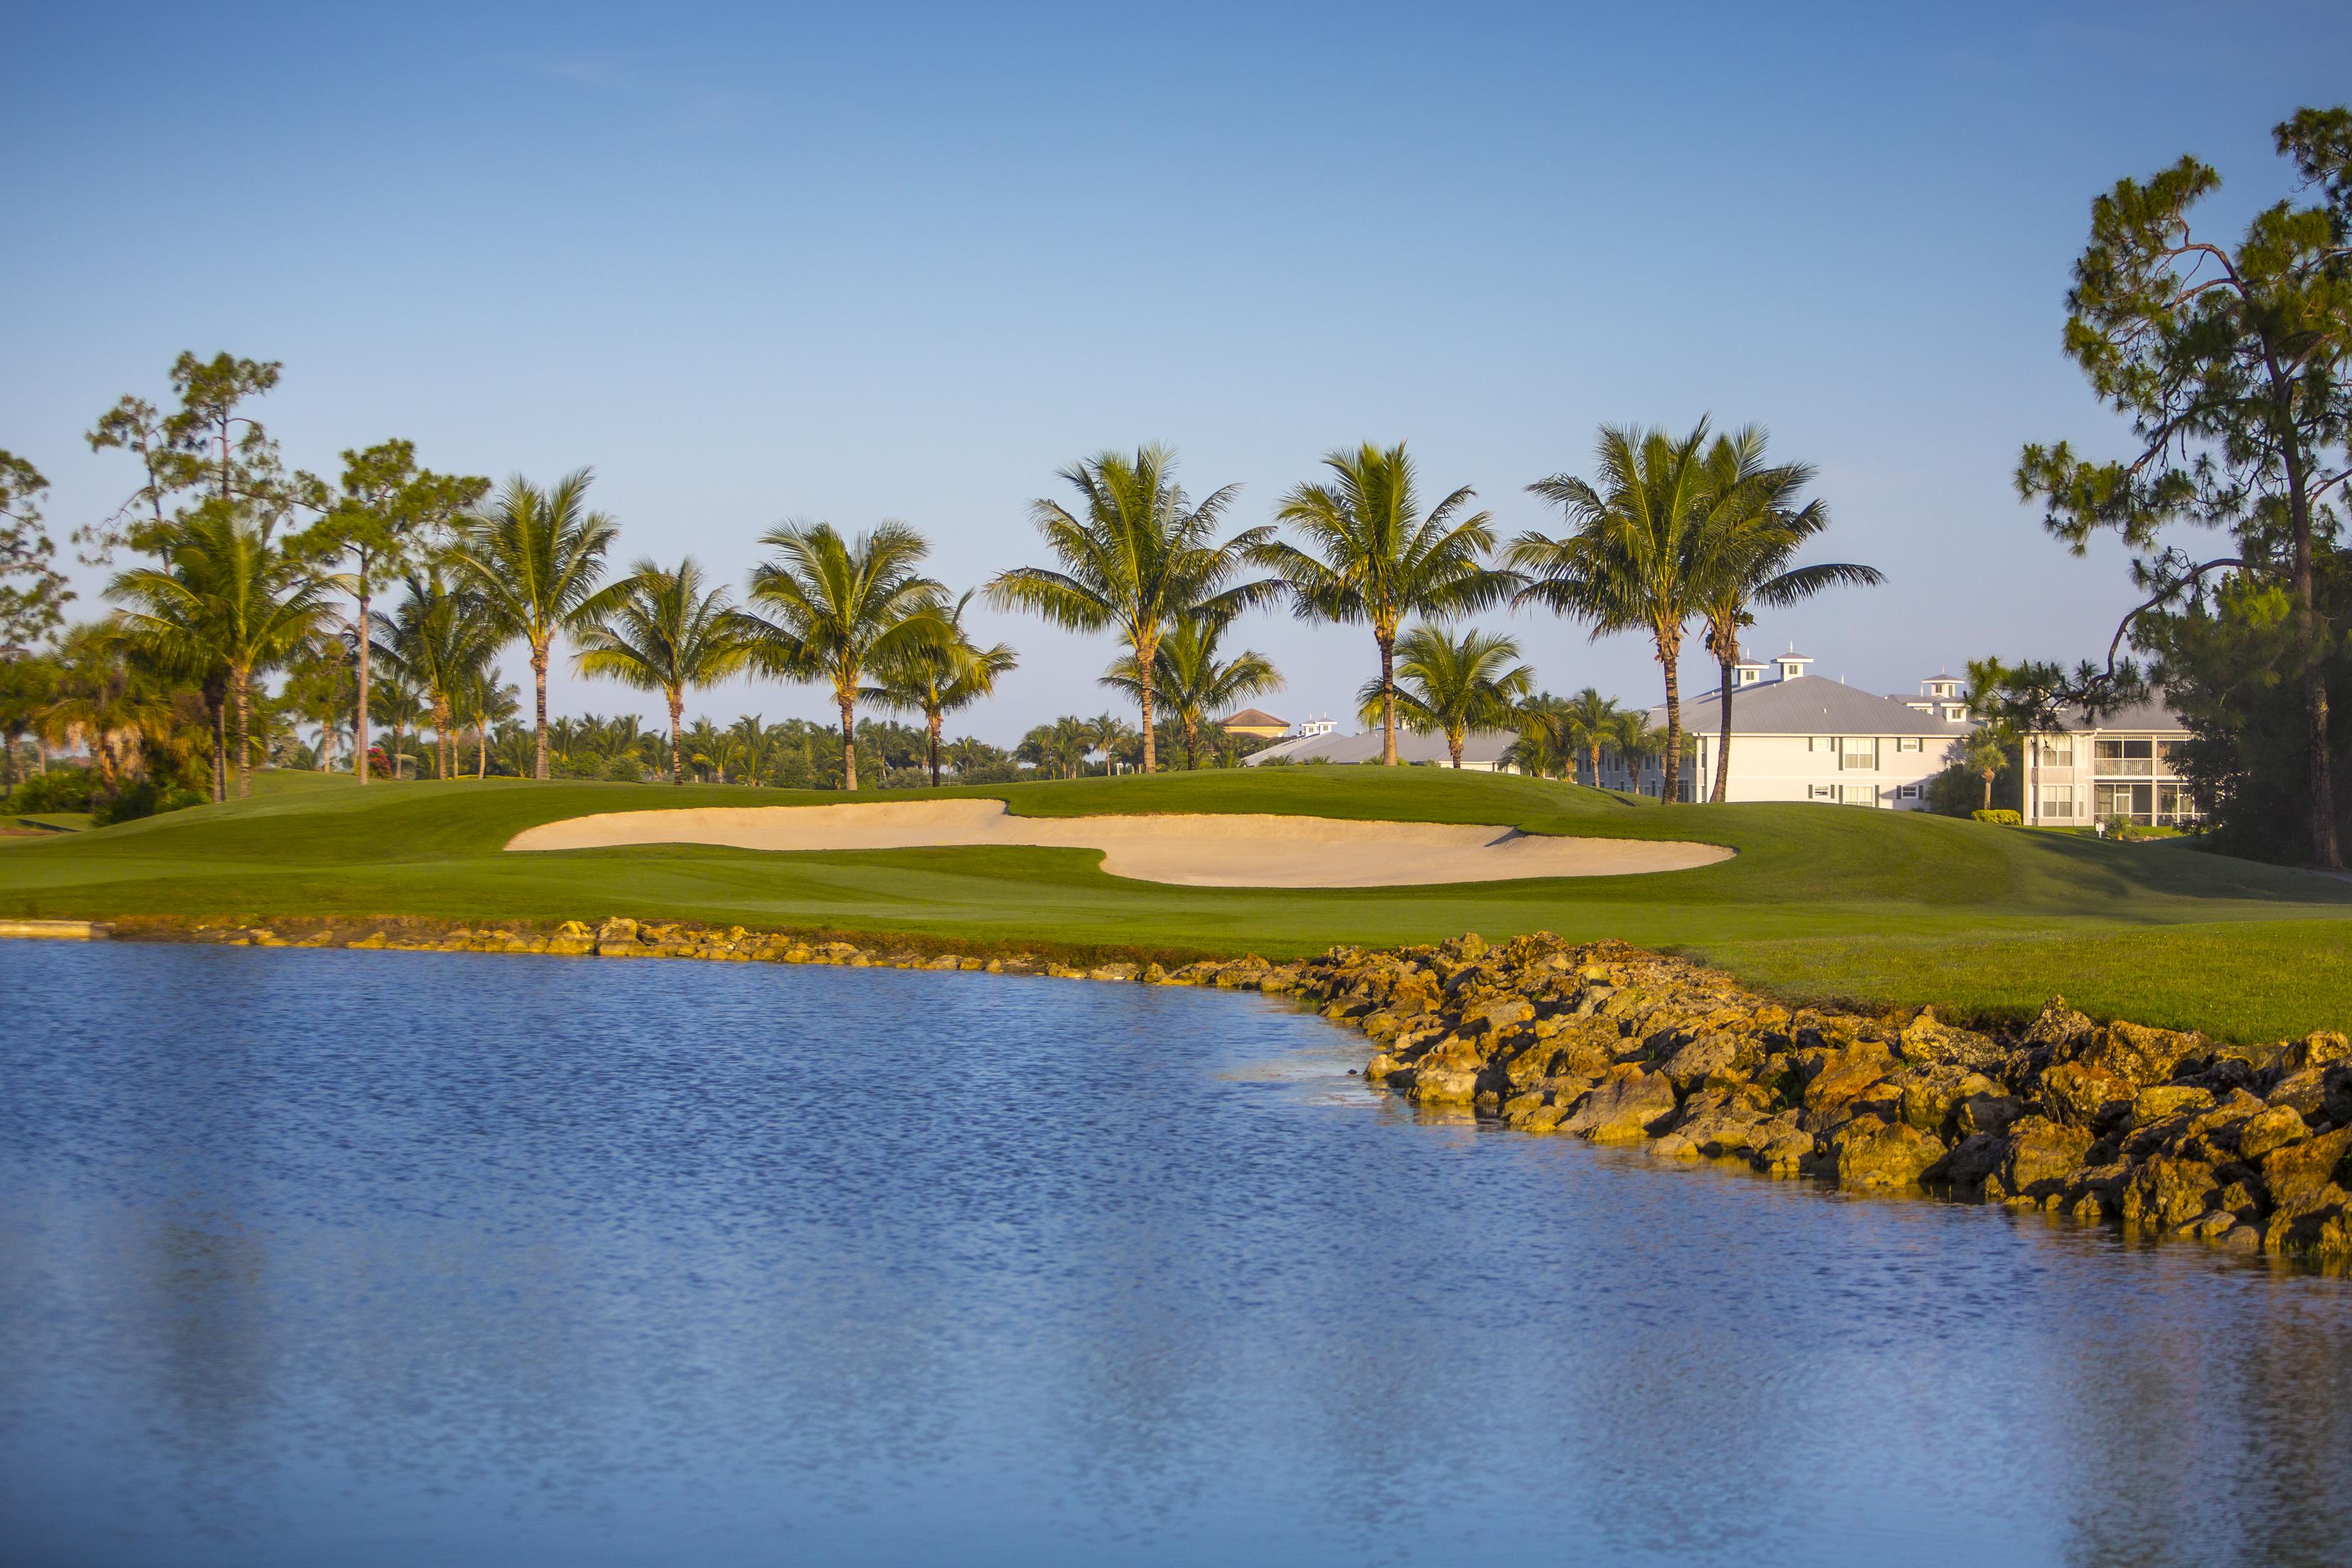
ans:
x=60 y=789
x=143 y=798
x=2001 y=817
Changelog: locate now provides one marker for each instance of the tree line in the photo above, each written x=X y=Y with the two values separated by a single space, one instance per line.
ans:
x=243 y=568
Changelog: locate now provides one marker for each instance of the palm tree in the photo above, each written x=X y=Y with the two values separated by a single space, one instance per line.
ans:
x=940 y=677
x=442 y=641
x=662 y=630
x=1589 y=722
x=487 y=707
x=536 y=557
x=1194 y=681
x=98 y=695
x=754 y=746
x=1449 y=687
x=1142 y=557
x=1543 y=748
x=225 y=597
x=839 y=609
x=1626 y=562
x=397 y=703
x=1984 y=752
x=1377 y=558
x=1749 y=527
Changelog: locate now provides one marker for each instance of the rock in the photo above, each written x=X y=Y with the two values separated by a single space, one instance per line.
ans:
x=1695 y=1061
x=1121 y=972
x=2152 y=1105
x=2084 y=1094
x=2316 y=1222
x=1871 y=1152
x=1839 y=1078
x=1623 y=1109
x=1931 y=1093
x=615 y=930
x=2057 y=1028
x=1785 y=1151
x=2305 y=1091
x=2272 y=1127
x=2042 y=1155
x=2317 y=1048
x=1974 y=1158
x=2301 y=1170
x=1988 y=1112
x=2168 y=1192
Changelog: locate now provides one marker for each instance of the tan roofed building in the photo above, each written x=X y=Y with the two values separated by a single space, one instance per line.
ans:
x=1255 y=723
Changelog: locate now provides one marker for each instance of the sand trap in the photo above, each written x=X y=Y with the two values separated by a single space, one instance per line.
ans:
x=1195 y=851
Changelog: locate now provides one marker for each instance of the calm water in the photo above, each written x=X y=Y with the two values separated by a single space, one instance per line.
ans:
x=392 y=1258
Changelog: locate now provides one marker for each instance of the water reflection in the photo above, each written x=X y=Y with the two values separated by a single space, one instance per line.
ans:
x=384 y=1258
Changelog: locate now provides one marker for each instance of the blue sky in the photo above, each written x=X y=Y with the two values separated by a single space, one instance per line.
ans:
x=755 y=263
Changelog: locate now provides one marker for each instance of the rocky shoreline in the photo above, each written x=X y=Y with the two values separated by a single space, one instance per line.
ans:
x=2164 y=1132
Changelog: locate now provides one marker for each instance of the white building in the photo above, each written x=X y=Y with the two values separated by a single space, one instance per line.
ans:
x=2125 y=766
x=1482 y=753
x=1796 y=736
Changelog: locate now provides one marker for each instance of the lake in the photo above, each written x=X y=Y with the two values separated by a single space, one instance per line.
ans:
x=370 y=1257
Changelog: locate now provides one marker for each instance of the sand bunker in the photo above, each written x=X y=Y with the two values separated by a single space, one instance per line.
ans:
x=1195 y=851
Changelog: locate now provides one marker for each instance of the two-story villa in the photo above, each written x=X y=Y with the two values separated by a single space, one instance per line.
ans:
x=2125 y=765
x=1798 y=736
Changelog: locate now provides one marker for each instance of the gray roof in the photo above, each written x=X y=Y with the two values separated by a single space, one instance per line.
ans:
x=2151 y=714
x=1483 y=746
x=1810 y=705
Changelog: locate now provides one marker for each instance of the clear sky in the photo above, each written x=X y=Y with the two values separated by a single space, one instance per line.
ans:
x=760 y=262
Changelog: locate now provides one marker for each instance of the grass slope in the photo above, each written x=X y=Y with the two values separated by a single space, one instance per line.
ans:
x=1873 y=907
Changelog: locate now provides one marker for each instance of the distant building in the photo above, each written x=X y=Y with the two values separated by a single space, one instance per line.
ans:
x=2124 y=765
x=1796 y=736
x=1482 y=753
x=1256 y=723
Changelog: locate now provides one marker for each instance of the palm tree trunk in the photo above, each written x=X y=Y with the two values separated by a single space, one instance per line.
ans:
x=677 y=714
x=1723 y=735
x=539 y=680
x=1454 y=744
x=1592 y=757
x=1191 y=746
x=935 y=717
x=481 y=752
x=360 y=719
x=1144 y=655
x=1670 y=655
x=848 y=744
x=1988 y=783
x=244 y=731
x=1388 y=700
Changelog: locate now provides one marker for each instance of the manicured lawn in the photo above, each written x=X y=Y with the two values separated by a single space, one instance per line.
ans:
x=1877 y=907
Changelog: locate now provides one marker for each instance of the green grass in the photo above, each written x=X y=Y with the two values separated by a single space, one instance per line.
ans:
x=56 y=821
x=1821 y=901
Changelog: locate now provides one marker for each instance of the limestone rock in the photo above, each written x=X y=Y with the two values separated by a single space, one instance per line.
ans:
x=2152 y=1105
x=2042 y=1155
x=1622 y=1109
x=1870 y=1153
x=2084 y=1094
x=2301 y=1170
x=2317 y=1049
x=2167 y=1192
x=2272 y=1127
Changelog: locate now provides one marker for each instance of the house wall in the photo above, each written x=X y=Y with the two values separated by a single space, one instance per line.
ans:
x=1886 y=771
x=2092 y=775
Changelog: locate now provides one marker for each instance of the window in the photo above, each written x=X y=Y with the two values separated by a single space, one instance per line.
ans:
x=2168 y=756
x=1909 y=744
x=1908 y=792
x=2058 y=803
x=1857 y=794
x=2125 y=758
x=2055 y=751
x=1824 y=791
x=1858 y=751
x=2133 y=803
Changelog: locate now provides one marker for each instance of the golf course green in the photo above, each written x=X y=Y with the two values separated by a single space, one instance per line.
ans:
x=1878 y=908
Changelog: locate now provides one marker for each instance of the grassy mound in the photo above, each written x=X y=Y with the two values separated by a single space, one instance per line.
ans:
x=1873 y=907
